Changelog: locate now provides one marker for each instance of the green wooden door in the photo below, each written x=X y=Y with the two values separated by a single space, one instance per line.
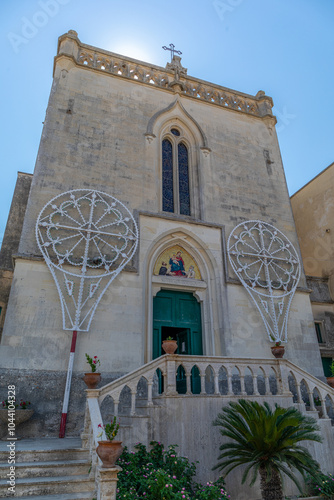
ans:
x=178 y=315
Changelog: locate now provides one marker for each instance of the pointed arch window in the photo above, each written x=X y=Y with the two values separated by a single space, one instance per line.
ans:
x=175 y=175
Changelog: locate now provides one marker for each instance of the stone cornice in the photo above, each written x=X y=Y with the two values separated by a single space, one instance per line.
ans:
x=113 y=64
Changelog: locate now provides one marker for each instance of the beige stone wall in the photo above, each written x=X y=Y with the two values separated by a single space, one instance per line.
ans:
x=11 y=239
x=313 y=209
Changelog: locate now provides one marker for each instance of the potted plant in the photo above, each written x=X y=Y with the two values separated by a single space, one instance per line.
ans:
x=15 y=413
x=169 y=345
x=92 y=378
x=278 y=349
x=330 y=380
x=109 y=450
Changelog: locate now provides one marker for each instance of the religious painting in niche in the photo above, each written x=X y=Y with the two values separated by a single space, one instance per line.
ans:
x=176 y=262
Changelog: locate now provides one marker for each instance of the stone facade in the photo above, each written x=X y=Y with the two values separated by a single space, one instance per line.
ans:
x=313 y=209
x=106 y=119
x=11 y=240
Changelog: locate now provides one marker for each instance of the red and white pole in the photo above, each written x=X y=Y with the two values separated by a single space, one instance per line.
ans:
x=68 y=386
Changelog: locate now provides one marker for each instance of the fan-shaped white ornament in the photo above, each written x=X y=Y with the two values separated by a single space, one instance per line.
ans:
x=86 y=237
x=268 y=266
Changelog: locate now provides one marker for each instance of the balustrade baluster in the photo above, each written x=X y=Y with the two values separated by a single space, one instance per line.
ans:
x=202 y=383
x=133 y=402
x=311 y=398
x=149 y=393
x=323 y=407
x=299 y=394
x=229 y=384
x=188 y=382
x=116 y=403
x=255 y=387
x=217 y=384
x=267 y=386
x=242 y=385
x=283 y=379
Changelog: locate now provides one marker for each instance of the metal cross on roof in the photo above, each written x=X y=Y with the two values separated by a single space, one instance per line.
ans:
x=172 y=51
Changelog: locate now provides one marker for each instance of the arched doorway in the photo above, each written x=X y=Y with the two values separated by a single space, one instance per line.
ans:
x=178 y=315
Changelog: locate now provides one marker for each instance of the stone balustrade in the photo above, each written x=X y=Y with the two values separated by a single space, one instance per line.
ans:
x=217 y=376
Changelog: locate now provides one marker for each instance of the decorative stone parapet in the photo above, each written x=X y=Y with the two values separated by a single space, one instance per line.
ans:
x=171 y=78
x=283 y=371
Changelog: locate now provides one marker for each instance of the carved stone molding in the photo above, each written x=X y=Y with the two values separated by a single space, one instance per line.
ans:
x=165 y=78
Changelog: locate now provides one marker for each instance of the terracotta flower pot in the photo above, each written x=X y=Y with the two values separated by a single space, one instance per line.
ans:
x=92 y=379
x=169 y=346
x=109 y=452
x=278 y=351
x=330 y=381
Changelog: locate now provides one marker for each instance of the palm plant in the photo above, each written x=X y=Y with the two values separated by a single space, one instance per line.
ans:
x=266 y=441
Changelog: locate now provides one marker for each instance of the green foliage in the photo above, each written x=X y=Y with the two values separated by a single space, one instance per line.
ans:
x=24 y=405
x=211 y=491
x=111 y=429
x=6 y=404
x=331 y=367
x=321 y=484
x=266 y=441
x=317 y=401
x=160 y=474
x=93 y=362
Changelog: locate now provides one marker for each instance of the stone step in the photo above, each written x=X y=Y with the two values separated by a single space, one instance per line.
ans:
x=51 y=468
x=65 y=496
x=48 y=486
x=45 y=455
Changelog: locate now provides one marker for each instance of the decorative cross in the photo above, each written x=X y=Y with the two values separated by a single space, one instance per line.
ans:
x=172 y=51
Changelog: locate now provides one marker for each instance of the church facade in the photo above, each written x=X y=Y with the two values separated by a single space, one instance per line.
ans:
x=190 y=160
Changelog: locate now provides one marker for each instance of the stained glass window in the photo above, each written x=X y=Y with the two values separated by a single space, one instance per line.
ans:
x=167 y=176
x=175 y=132
x=184 y=196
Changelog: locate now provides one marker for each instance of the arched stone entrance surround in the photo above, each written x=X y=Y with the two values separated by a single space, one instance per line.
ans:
x=208 y=290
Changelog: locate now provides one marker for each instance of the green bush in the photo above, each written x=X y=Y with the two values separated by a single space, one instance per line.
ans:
x=321 y=485
x=160 y=474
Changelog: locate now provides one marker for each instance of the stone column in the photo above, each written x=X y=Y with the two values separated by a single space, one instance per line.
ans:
x=107 y=482
x=299 y=394
x=242 y=385
x=217 y=383
x=149 y=393
x=133 y=403
x=283 y=378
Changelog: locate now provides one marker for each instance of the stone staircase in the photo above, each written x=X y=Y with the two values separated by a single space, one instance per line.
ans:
x=48 y=474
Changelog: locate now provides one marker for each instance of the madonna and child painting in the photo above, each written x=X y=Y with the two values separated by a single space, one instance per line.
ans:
x=175 y=261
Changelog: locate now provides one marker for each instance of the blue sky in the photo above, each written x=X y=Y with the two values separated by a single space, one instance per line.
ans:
x=284 y=47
